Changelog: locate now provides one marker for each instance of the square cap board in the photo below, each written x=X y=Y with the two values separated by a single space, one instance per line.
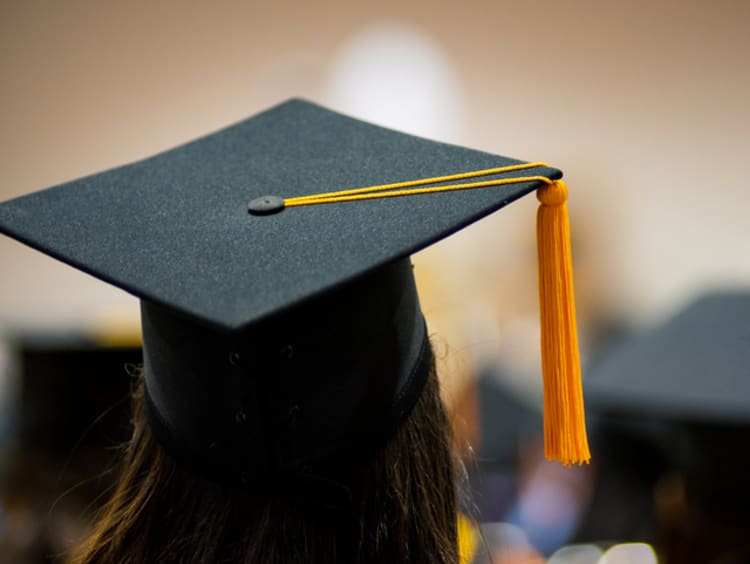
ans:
x=175 y=230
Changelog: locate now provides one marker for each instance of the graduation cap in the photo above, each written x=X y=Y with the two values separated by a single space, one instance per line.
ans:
x=684 y=388
x=281 y=325
x=695 y=366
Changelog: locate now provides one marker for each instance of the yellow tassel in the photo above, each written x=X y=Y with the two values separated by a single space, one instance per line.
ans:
x=467 y=539
x=564 y=421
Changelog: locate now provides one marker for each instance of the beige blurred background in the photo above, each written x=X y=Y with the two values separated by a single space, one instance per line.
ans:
x=643 y=104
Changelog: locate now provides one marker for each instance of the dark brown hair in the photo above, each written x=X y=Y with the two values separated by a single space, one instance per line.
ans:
x=403 y=508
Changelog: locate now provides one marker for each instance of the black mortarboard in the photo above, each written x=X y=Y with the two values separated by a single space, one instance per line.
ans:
x=696 y=366
x=295 y=334
x=63 y=402
x=684 y=388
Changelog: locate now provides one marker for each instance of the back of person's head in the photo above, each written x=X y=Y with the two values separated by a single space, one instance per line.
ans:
x=399 y=506
x=291 y=441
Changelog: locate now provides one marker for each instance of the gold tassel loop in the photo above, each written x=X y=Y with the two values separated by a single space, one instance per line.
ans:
x=564 y=421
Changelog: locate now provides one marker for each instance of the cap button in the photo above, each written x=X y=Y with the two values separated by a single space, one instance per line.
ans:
x=265 y=205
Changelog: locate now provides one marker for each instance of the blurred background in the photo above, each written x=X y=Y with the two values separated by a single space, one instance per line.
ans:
x=644 y=105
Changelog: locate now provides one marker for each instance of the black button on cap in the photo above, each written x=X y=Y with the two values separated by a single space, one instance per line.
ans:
x=266 y=205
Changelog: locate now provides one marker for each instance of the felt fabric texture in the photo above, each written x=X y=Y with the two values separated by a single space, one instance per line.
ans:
x=174 y=229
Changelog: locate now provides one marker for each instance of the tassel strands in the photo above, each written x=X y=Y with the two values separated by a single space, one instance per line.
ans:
x=564 y=421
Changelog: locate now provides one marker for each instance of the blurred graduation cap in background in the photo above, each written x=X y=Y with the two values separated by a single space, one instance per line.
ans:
x=679 y=395
x=72 y=392
x=67 y=404
x=695 y=367
x=254 y=251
